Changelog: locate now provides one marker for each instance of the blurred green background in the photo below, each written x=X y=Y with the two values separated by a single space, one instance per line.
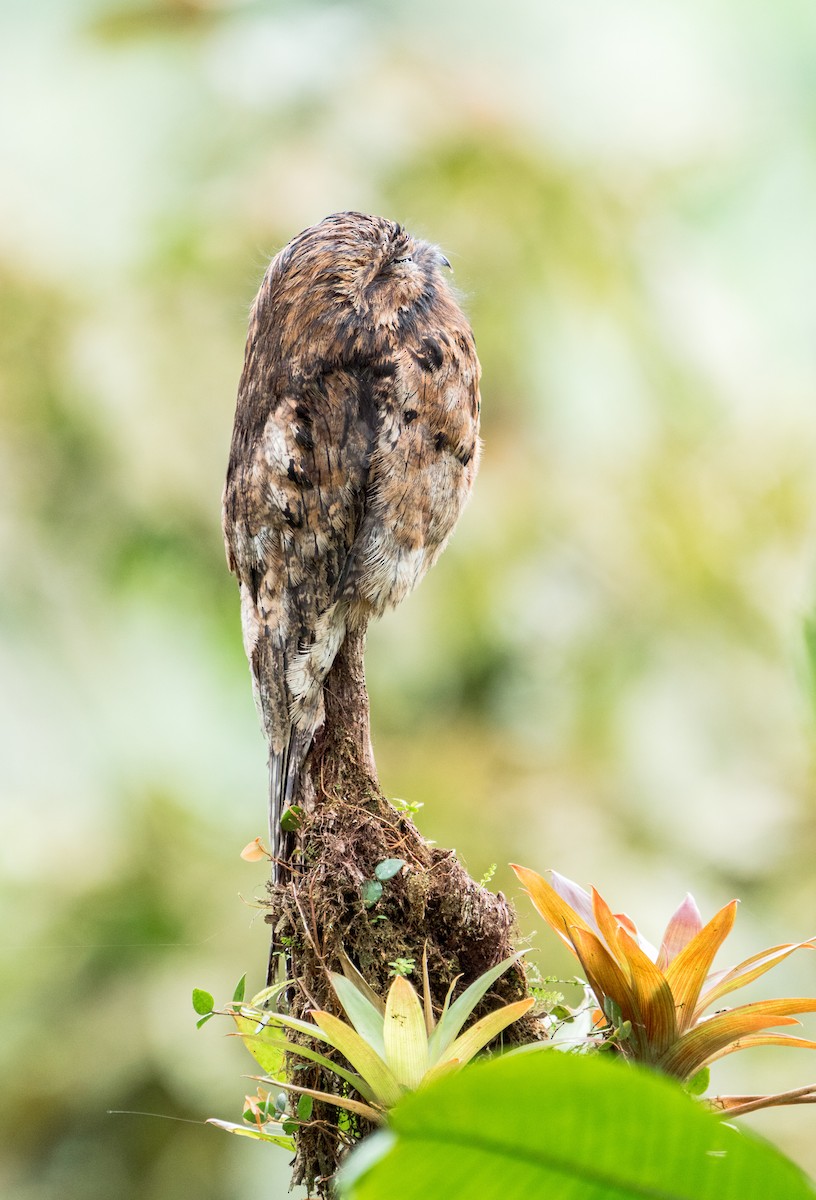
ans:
x=607 y=673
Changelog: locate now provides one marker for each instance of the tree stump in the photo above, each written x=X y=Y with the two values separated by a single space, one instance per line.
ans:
x=347 y=829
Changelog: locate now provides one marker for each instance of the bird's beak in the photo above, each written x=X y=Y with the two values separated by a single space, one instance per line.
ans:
x=444 y=262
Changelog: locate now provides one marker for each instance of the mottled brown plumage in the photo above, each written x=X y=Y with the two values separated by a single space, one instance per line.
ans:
x=354 y=449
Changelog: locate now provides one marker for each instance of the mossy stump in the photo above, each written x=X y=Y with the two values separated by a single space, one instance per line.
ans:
x=348 y=828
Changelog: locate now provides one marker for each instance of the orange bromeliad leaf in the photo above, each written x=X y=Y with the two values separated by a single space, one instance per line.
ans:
x=686 y=974
x=763 y=1039
x=560 y=915
x=749 y=970
x=606 y=978
x=710 y=1038
x=654 y=997
x=609 y=925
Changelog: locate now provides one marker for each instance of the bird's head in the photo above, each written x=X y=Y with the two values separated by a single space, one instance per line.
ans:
x=368 y=263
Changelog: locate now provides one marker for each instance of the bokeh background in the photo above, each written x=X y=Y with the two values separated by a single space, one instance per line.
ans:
x=607 y=673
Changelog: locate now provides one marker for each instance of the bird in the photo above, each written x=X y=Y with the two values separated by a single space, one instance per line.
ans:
x=354 y=449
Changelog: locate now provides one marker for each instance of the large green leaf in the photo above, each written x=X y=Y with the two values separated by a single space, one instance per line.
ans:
x=566 y=1127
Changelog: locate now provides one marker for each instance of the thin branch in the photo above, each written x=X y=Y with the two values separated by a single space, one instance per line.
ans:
x=737 y=1106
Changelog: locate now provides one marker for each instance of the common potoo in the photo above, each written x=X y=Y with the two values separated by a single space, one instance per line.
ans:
x=354 y=449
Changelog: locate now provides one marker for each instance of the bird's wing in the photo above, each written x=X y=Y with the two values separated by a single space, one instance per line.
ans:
x=422 y=468
x=293 y=503
x=291 y=513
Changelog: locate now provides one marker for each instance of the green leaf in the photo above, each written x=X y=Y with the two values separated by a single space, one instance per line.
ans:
x=698 y=1084
x=244 y=1131
x=454 y=1017
x=202 y=1001
x=291 y=818
x=360 y=1011
x=270 y=1046
x=262 y=998
x=343 y=1102
x=388 y=868
x=372 y=890
x=483 y=1031
x=305 y=1105
x=203 y=1020
x=406 y=1038
x=581 y=1127
x=362 y=1057
x=240 y=990
x=267 y=1045
x=269 y=1020
x=353 y=975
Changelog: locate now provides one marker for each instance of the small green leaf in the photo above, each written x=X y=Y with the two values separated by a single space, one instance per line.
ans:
x=261 y=1136
x=268 y=994
x=372 y=890
x=289 y=1126
x=402 y=966
x=240 y=990
x=203 y=1020
x=281 y=1102
x=202 y=1001
x=388 y=868
x=305 y=1105
x=488 y=875
x=698 y=1084
x=291 y=818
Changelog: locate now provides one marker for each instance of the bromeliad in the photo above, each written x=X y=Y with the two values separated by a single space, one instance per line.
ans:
x=660 y=997
x=394 y=1046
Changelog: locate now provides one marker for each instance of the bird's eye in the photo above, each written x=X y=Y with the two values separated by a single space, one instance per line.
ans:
x=403 y=258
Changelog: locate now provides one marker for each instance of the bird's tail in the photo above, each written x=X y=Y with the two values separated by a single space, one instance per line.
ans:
x=284 y=774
